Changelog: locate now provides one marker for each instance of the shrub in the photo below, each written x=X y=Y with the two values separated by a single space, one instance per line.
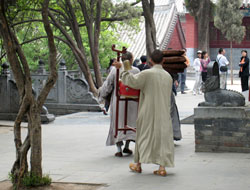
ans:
x=31 y=180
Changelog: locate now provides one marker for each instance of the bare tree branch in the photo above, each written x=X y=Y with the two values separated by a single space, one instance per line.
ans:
x=135 y=3
x=52 y=57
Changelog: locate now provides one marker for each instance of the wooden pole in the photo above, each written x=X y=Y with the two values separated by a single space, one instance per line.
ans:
x=231 y=60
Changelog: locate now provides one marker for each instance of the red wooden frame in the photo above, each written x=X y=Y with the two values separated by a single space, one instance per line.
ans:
x=120 y=98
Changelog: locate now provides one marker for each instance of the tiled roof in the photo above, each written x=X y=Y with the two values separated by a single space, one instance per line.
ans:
x=165 y=20
x=179 y=3
x=244 y=1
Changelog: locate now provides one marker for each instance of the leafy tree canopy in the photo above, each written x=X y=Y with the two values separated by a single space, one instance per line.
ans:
x=228 y=20
x=25 y=19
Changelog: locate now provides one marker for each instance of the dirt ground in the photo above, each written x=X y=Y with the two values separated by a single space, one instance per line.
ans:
x=4 y=129
x=6 y=185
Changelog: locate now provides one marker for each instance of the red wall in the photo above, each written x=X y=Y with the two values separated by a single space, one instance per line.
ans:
x=217 y=40
x=191 y=32
x=175 y=42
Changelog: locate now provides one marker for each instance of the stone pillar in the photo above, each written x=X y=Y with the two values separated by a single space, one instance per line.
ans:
x=4 y=88
x=61 y=82
x=222 y=129
x=41 y=68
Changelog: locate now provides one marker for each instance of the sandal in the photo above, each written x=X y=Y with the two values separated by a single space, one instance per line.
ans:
x=135 y=168
x=162 y=173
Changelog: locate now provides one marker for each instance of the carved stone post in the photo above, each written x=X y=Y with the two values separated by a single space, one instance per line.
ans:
x=61 y=82
x=41 y=68
x=4 y=88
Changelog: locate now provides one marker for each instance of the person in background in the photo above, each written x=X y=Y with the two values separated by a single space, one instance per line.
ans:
x=197 y=68
x=182 y=76
x=136 y=63
x=244 y=70
x=175 y=82
x=174 y=110
x=110 y=67
x=205 y=60
x=223 y=66
x=108 y=98
x=143 y=65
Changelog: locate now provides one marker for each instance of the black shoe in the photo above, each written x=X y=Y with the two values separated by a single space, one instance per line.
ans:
x=118 y=154
x=183 y=92
x=177 y=139
x=127 y=151
x=104 y=111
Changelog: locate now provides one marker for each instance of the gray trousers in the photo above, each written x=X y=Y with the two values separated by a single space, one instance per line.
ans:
x=223 y=80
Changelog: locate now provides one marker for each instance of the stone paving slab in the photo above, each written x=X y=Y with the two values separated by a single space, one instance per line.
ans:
x=74 y=151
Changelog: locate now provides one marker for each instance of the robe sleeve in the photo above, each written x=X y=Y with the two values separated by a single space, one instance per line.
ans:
x=134 y=81
x=108 y=86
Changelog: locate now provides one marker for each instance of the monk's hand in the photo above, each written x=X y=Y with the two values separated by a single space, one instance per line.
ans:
x=127 y=65
x=187 y=61
x=117 y=64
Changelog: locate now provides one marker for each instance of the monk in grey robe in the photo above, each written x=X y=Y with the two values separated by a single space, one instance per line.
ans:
x=154 y=135
x=175 y=119
x=109 y=87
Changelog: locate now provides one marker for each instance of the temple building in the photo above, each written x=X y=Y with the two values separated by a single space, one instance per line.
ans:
x=170 y=34
x=217 y=39
x=177 y=29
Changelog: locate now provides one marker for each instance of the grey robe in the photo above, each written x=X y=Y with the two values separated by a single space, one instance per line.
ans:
x=175 y=119
x=154 y=135
x=107 y=88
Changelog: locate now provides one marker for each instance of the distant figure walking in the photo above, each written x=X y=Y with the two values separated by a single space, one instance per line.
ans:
x=197 y=68
x=223 y=65
x=244 y=70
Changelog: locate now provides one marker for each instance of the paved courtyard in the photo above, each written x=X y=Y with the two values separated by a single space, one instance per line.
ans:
x=74 y=151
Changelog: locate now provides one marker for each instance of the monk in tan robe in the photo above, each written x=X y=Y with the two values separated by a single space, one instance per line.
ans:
x=154 y=135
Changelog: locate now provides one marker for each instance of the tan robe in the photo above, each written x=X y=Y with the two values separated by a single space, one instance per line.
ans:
x=107 y=88
x=154 y=135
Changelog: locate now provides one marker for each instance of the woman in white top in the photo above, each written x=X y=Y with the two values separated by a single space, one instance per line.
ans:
x=196 y=66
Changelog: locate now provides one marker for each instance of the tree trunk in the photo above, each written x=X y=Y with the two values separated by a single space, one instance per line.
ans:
x=96 y=61
x=203 y=19
x=93 y=28
x=148 y=12
x=28 y=105
x=231 y=62
x=78 y=51
x=34 y=120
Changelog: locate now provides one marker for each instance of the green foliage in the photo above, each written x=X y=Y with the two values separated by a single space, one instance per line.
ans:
x=194 y=7
x=31 y=180
x=228 y=20
x=23 y=10
x=11 y=177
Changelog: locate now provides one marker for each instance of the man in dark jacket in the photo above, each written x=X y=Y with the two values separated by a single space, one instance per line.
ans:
x=143 y=65
x=244 y=70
